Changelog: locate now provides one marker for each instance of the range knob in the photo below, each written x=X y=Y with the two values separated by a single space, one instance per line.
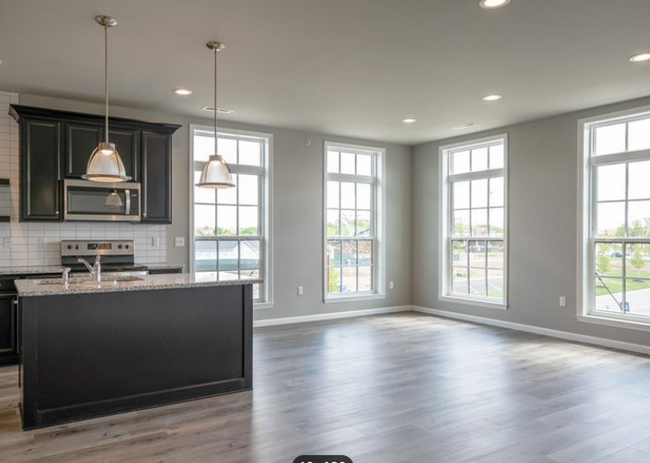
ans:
x=127 y=246
x=69 y=246
x=119 y=246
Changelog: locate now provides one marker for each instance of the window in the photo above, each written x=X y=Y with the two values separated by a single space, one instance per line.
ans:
x=353 y=225
x=230 y=227
x=615 y=233
x=473 y=263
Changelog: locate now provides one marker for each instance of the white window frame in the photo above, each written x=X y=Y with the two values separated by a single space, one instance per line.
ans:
x=379 y=251
x=586 y=216
x=265 y=202
x=445 y=221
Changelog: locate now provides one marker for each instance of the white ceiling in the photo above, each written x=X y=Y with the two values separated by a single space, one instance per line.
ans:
x=346 y=67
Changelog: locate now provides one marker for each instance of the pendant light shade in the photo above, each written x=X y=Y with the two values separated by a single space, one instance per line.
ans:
x=113 y=200
x=215 y=173
x=105 y=163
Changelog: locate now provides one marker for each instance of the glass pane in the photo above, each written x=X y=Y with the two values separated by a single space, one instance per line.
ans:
x=228 y=195
x=637 y=260
x=477 y=282
x=477 y=254
x=609 y=294
x=496 y=221
x=495 y=254
x=256 y=291
x=365 y=278
x=364 y=164
x=496 y=157
x=229 y=275
x=479 y=159
x=496 y=192
x=248 y=193
x=226 y=220
x=347 y=195
x=364 y=227
x=205 y=256
x=611 y=219
x=495 y=284
x=333 y=162
x=479 y=193
x=203 y=195
x=638 y=216
x=610 y=139
x=228 y=255
x=248 y=216
x=204 y=218
x=349 y=254
x=363 y=196
x=334 y=280
x=332 y=222
x=365 y=252
x=479 y=222
x=611 y=182
x=228 y=150
x=249 y=255
x=347 y=223
x=461 y=195
x=203 y=147
x=349 y=279
x=333 y=253
x=639 y=187
x=347 y=163
x=459 y=254
x=609 y=259
x=333 y=195
x=637 y=297
x=461 y=223
x=460 y=162
x=639 y=135
x=460 y=284
x=250 y=152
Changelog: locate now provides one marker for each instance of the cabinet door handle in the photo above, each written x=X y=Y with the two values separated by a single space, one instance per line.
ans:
x=15 y=301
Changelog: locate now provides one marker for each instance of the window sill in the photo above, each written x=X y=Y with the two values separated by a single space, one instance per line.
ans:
x=476 y=302
x=353 y=298
x=617 y=322
x=262 y=305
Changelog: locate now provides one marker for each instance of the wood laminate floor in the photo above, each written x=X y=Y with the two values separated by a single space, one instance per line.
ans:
x=392 y=388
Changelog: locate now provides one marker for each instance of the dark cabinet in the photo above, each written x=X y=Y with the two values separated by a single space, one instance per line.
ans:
x=82 y=139
x=156 y=177
x=41 y=142
x=8 y=329
x=57 y=144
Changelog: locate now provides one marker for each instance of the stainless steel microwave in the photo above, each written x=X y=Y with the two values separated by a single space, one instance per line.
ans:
x=84 y=200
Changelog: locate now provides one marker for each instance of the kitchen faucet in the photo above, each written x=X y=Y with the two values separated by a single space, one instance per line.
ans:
x=95 y=270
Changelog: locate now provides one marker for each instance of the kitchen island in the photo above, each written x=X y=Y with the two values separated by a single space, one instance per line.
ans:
x=90 y=348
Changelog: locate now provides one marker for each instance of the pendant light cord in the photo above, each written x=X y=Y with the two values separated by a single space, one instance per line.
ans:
x=106 y=76
x=216 y=138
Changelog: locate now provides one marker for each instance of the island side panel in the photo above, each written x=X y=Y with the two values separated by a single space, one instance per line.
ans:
x=94 y=354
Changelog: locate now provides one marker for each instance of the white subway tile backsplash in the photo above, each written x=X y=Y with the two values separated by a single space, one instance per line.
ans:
x=39 y=243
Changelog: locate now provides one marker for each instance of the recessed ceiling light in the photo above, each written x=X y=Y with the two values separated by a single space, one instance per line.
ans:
x=467 y=125
x=645 y=56
x=492 y=97
x=409 y=120
x=219 y=110
x=182 y=91
x=493 y=3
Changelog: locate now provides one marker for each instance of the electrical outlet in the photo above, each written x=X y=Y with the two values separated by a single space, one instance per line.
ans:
x=562 y=301
x=300 y=291
x=41 y=242
x=154 y=241
x=179 y=241
x=391 y=285
x=6 y=243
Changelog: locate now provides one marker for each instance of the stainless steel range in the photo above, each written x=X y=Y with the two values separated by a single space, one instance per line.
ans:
x=117 y=257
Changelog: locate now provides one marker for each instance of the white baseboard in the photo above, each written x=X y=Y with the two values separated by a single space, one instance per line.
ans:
x=628 y=346
x=330 y=316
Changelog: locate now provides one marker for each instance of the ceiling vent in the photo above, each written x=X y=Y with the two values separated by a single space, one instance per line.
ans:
x=219 y=110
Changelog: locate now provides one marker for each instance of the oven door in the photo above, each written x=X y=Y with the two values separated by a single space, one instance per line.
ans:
x=107 y=202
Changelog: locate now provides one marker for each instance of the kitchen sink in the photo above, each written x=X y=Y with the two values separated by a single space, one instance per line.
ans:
x=77 y=282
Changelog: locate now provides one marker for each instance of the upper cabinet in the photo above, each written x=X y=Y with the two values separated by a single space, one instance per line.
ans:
x=56 y=145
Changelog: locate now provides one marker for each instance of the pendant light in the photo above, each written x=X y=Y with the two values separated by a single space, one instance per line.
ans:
x=114 y=200
x=215 y=173
x=105 y=163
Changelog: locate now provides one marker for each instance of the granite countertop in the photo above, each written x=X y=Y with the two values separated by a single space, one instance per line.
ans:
x=8 y=271
x=163 y=266
x=30 y=288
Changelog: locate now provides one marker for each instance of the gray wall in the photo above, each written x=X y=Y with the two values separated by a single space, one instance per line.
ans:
x=297 y=210
x=542 y=226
